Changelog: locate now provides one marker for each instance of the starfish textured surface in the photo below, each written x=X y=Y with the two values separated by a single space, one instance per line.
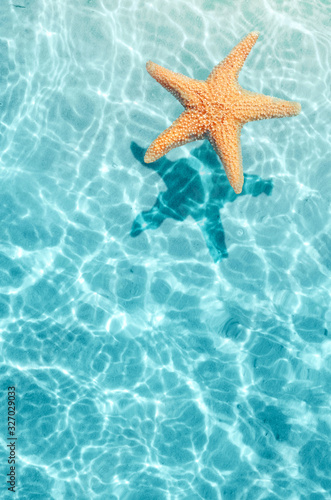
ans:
x=216 y=109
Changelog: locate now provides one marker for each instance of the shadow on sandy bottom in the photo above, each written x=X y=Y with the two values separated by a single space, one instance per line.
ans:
x=188 y=194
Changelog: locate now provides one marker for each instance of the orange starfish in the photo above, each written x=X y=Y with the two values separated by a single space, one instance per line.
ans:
x=216 y=109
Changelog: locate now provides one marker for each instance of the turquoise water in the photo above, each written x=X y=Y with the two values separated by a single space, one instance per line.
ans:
x=167 y=338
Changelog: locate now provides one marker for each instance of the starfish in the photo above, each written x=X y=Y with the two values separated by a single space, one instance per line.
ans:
x=216 y=109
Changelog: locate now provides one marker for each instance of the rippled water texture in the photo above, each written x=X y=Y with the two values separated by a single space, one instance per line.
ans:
x=167 y=338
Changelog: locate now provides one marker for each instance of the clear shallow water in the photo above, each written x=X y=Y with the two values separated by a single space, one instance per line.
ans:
x=167 y=338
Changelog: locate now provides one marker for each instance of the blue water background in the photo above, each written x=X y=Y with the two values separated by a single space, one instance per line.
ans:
x=167 y=339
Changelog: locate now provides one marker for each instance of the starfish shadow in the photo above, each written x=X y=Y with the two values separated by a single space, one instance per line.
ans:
x=200 y=196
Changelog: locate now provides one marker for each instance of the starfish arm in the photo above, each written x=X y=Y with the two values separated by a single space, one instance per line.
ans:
x=225 y=139
x=233 y=63
x=258 y=107
x=175 y=83
x=187 y=128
